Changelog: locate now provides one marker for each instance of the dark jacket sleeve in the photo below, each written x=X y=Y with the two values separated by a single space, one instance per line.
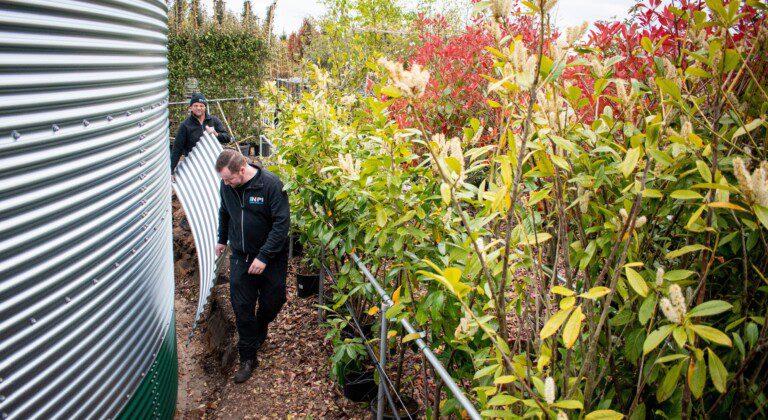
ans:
x=281 y=223
x=179 y=145
x=223 y=219
x=223 y=135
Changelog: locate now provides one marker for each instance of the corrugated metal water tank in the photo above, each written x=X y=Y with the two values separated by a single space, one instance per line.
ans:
x=86 y=264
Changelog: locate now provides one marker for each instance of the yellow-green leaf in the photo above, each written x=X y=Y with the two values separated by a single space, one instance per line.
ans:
x=717 y=371
x=604 y=415
x=411 y=337
x=596 y=292
x=560 y=290
x=630 y=161
x=685 y=195
x=391 y=91
x=684 y=250
x=573 y=328
x=504 y=379
x=636 y=281
x=554 y=323
x=569 y=404
x=373 y=311
x=712 y=334
x=656 y=337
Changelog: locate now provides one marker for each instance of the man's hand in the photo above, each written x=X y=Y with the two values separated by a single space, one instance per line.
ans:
x=173 y=179
x=211 y=131
x=257 y=267
x=220 y=248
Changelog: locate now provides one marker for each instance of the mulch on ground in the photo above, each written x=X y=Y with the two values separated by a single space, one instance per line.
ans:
x=292 y=379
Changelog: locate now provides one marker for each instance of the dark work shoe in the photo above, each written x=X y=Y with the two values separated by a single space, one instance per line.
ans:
x=245 y=371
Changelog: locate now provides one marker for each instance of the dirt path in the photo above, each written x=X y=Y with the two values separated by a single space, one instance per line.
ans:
x=292 y=379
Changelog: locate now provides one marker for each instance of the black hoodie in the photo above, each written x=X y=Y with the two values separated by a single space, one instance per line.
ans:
x=189 y=133
x=260 y=212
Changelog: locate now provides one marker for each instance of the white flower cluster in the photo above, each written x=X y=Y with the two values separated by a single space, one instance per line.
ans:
x=574 y=33
x=466 y=327
x=627 y=96
x=583 y=196
x=549 y=390
x=674 y=307
x=349 y=165
x=501 y=8
x=412 y=83
x=639 y=222
x=348 y=100
x=754 y=186
x=449 y=148
x=659 y=277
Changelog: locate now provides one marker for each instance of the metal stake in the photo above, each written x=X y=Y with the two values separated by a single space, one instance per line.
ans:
x=321 y=280
x=383 y=348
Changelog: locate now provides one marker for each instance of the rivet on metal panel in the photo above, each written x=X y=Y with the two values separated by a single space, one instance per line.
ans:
x=127 y=395
x=109 y=118
x=145 y=227
x=32 y=321
x=142 y=150
x=154 y=228
x=67 y=299
x=143 y=189
x=146 y=239
x=86 y=123
x=142 y=374
x=55 y=128
x=144 y=214
x=142 y=137
x=142 y=109
x=117 y=264
x=133 y=251
x=95 y=281
x=141 y=123
x=15 y=134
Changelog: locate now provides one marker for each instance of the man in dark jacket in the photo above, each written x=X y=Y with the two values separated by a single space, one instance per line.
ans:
x=254 y=218
x=191 y=129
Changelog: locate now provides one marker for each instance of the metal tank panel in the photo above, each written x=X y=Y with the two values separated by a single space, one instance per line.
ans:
x=86 y=259
x=197 y=188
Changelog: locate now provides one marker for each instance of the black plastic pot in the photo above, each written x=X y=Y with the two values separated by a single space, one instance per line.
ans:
x=245 y=149
x=297 y=248
x=411 y=409
x=360 y=386
x=265 y=151
x=307 y=284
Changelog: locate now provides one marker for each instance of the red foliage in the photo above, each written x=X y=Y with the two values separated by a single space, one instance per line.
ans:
x=457 y=62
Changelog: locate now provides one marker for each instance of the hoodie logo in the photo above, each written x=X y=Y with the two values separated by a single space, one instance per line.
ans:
x=256 y=200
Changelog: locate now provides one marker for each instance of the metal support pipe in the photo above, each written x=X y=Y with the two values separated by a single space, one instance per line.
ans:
x=320 y=291
x=433 y=360
x=382 y=360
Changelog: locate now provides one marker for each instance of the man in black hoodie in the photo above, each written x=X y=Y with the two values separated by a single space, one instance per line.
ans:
x=254 y=218
x=191 y=129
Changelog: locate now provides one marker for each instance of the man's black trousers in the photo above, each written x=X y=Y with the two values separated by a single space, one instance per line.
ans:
x=245 y=290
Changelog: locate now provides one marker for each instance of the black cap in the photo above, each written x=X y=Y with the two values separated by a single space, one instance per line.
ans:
x=197 y=97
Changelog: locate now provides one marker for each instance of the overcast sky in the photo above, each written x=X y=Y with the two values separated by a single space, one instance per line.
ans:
x=290 y=13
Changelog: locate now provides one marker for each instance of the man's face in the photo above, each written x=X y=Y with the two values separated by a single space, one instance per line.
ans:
x=197 y=109
x=233 y=179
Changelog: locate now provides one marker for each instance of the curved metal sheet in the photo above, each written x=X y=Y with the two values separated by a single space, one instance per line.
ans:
x=86 y=262
x=197 y=188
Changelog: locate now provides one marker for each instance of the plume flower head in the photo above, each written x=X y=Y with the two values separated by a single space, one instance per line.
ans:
x=659 y=277
x=549 y=390
x=574 y=33
x=412 y=83
x=753 y=185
